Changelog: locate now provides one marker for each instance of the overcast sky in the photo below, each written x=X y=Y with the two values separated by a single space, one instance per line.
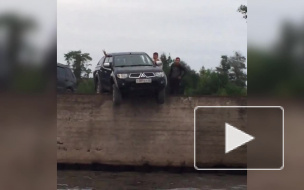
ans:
x=266 y=19
x=198 y=31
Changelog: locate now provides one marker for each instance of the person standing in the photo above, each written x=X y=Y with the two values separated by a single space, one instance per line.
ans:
x=156 y=59
x=177 y=72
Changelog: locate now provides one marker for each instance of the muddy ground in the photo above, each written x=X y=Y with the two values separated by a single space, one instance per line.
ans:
x=104 y=180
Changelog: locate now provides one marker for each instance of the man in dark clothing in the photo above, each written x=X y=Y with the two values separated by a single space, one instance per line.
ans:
x=176 y=74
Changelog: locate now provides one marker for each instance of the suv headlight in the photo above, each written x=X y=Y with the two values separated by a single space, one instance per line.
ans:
x=159 y=74
x=122 y=76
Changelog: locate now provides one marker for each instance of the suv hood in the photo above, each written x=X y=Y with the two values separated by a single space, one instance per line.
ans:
x=137 y=69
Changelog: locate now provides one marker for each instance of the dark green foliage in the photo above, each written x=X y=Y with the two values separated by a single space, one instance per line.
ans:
x=228 y=79
x=224 y=66
x=29 y=79
x=166 y=63
x=279 y=71
x=86 y=86
x=210 y=82
x=232 y=90
x=236 y=74
x=79 y=64
x=16 y=28
x=243 y=9
x=190 y=80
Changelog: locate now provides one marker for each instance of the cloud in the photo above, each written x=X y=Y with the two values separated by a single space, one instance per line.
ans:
x=198 y=31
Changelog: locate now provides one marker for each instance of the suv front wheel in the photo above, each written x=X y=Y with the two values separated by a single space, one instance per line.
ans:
x=99 y=88
x=116 y=95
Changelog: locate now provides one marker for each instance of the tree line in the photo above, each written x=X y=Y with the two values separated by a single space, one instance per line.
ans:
x=227 y=79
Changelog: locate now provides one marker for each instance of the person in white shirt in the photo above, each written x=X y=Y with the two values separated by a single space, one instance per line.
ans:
x=156 y=59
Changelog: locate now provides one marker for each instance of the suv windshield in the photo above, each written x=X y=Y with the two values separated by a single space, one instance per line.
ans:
x=132 y=60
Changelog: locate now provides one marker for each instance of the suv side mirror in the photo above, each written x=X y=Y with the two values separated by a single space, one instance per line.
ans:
x=107 y=65
x=159 y=63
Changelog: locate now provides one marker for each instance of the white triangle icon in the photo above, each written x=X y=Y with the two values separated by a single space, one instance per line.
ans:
x=235 y=138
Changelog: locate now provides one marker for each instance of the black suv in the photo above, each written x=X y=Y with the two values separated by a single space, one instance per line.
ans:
x=66 y=80
x=121 y=73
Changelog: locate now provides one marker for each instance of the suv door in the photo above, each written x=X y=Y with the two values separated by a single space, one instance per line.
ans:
x=70 y=79
x=61 y=79
x=106 y=73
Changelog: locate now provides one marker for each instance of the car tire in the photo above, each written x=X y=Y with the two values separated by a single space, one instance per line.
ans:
x=116 y=95
x=99 y=88
x=161 y=96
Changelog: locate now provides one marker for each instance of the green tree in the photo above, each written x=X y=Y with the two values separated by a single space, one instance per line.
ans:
x=26 y=77
x=17 y=27
x=279 y=71
x=233 y=68
x=243 y=9
x=237 y=74
x=202 y=71
x=79 y=62
x=224 y=66
x=209 y=83
x=228 y=78
x=189 y=81
x=166 y=63
x=86 y=86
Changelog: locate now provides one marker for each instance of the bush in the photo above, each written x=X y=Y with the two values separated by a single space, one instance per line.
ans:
x=86 y=86
x=234 y=90
x=222 y=92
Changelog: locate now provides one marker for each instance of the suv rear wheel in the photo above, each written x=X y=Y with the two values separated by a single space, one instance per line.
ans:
x=161 y=96
x=116 y=95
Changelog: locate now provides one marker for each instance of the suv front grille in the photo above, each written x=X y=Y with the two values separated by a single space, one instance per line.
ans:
x=149 y=74
x=134 y=75
x=139 y=75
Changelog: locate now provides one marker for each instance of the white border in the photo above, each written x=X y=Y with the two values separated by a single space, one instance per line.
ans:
x=279 y=107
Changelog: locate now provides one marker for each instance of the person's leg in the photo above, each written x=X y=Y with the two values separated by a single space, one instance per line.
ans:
x=175 y=86
x=178 y=86
x=172 y=86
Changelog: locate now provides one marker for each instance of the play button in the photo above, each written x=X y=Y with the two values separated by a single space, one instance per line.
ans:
x=235 y=138
x=238 y=138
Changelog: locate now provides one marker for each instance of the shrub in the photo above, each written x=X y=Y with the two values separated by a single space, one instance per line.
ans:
x=86 y=86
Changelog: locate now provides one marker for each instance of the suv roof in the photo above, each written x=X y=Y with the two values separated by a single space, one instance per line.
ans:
x=125 y=53
x=62 y=65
